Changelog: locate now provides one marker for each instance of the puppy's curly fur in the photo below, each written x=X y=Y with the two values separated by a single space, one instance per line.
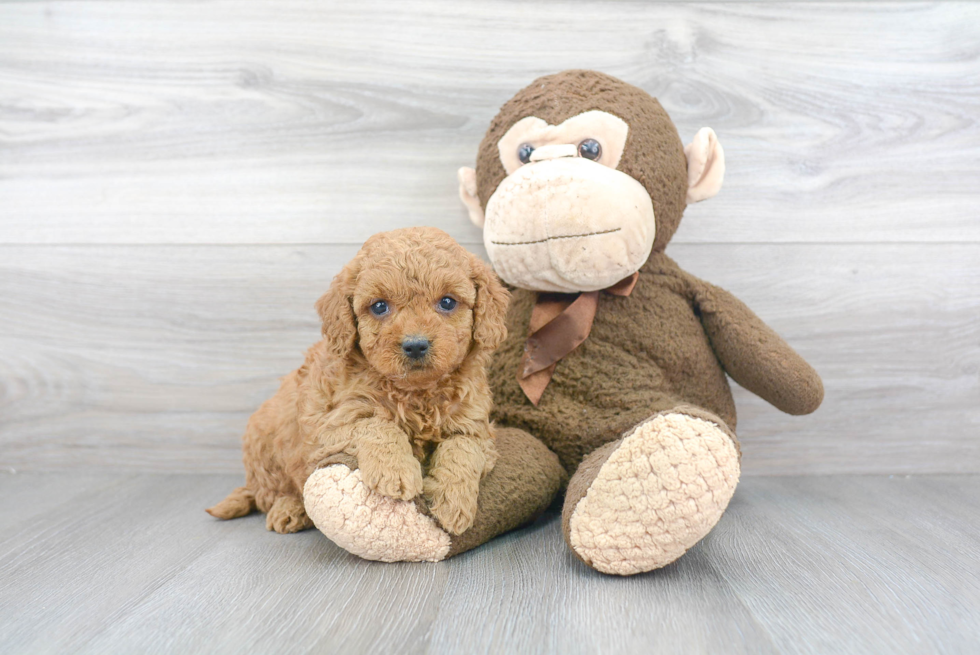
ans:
x=363 y=391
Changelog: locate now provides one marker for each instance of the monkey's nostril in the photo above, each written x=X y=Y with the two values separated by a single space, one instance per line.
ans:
x=415 y=347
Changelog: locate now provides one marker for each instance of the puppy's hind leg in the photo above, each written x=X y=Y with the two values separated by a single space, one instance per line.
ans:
x=287 y=515
x=239 y=502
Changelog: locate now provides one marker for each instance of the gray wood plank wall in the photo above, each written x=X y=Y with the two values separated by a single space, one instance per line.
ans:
x=178 y=184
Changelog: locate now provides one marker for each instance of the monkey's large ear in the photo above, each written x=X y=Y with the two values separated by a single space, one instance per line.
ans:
x=705 y=166
x=490 y=310
x=335 y=310
x=467 y=193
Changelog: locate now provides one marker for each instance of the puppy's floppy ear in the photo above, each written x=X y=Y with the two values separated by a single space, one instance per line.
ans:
x=490 y=311
x=337 y=313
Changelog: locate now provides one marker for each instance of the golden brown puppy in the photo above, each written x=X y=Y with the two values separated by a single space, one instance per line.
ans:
x=398 y=381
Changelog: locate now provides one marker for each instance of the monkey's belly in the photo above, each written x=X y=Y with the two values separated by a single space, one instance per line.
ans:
x=602 y=390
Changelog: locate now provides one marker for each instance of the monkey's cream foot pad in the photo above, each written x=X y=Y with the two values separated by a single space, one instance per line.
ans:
x=370 y=525
x=658 y=494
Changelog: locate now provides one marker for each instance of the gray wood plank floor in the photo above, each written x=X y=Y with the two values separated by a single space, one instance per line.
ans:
x=131 y=563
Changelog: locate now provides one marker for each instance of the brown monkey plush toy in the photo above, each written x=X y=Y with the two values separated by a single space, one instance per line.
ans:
x=616 y=359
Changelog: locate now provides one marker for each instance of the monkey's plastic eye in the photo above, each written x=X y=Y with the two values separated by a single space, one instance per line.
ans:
x=590 y=149
x=524 y=152
x=379 y=308
x=447 y=304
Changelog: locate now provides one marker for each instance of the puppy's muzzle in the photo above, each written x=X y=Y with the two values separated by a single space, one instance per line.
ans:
x=415 y=348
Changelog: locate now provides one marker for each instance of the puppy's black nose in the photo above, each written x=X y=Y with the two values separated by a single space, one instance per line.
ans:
x=415 y=347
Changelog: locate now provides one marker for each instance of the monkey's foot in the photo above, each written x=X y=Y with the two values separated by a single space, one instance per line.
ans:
x=639 y=503
x=370 y=525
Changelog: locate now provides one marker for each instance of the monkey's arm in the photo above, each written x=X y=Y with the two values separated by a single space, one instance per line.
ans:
x=754 y=355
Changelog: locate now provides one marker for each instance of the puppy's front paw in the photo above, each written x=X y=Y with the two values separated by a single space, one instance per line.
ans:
x=453 y=505
x=401 y=479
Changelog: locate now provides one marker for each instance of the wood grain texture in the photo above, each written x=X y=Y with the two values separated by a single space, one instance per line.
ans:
x=152 y=358
x=797 y=565
x=313 y=122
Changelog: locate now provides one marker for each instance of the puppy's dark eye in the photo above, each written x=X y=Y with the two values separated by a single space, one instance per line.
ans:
x=590 y=149
x=379 y=308
x=524 y=152
x=447 y=304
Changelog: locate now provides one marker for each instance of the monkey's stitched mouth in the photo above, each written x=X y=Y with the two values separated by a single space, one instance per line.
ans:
x=562 y=236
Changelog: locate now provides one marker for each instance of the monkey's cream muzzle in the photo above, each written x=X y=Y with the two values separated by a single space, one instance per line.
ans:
x=564 y=223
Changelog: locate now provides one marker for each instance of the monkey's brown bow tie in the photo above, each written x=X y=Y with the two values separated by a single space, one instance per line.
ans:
x=560 y=322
